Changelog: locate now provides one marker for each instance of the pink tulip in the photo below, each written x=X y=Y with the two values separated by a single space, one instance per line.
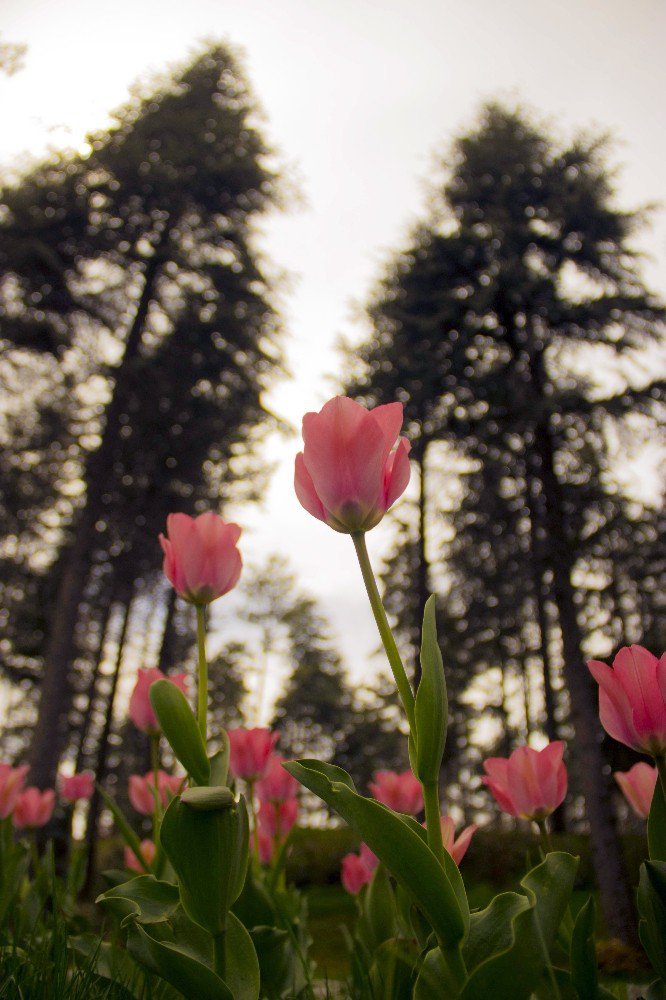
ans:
x=77 y=786
x=349 y=472
x=632 y=699
x=34 y=808
x=531 y=783
x=266 y=846
x=357 y=869
x=400 y=792
x=12 y=780
x=251 y=751
x=148 y=850
x=638 y=784
x=277 y=818
x=201 y=560
x=277 y=785
x=456 y=847
x=141 y=789
x=140 y=710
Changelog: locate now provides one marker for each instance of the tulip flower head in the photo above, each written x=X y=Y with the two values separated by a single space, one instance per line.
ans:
x=251 y=752
x=277 y=818
x=34 y=808
x=140 y=710
x=456 y=846
x=400 y=792
x=12 y=780
x=632 y=699
x=350 y=471
x=77 y=786
x=277 y=785
x=201 y=560
x=357 y=869
x=148 y=850
x=141 y=790
x=531 y=784
x=638 y=784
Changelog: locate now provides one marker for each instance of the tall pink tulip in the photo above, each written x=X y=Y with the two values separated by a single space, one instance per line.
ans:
x=34 y=808
x=632 y=699
x=12 y=780
x=456 y=846
x=638 y=784
x=251 y=751
x=277 y=818
x=531 y=783
x=401 y=792
x=77 y=786
x=350 y=470
x=140 y=710
x=357 y=869
x=201 y=560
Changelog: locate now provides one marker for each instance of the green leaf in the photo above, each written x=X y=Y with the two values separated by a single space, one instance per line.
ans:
x=582 y=954
x=431 y=705
x=180 y=729
x=652 y=910
x=509 y=942
x=219 y=762
x=125 y=830
x=143 y=899
x=195 y=980
x=398 y=846
x=208 y=798
x=209 y=853
x=380 y=908
x=656 y=990
x=392 y=972
x=656 y=827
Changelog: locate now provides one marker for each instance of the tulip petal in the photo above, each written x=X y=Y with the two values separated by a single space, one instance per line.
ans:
x=614 y=706
x=305 y=491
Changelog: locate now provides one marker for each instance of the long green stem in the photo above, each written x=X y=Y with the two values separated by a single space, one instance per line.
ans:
x=661 y=768
x=395 y=662
x=545 y=836
x=254 y=826
x=219 y=954
x=155 y=764
x=203 y=673
x=433 y=825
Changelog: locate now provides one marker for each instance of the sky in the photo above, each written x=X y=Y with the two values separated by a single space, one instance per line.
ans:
x=359 y=98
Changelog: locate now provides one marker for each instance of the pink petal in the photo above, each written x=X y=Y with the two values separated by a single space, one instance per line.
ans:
x=614 y=707
x=305 y=491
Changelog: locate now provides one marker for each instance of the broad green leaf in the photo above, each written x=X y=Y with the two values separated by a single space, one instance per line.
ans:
x=280 y=967
x=399 y=847
x=242 y=975
x=656 y=827
x=518 y=938
x=652 y=910
x=582 y=955
x=208 y=798
x=195 y=980
x=379 y=908
x=209 y=853
x=180 y=729
x=144 y=899
x=431 y=705
x=219 y=762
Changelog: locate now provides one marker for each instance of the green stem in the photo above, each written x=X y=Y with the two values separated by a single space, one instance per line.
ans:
x=34 y=851
x=546 y=839
x=219 y=954
x=433 y=825
x=661 y=768
x=395 y=662
x=203 y=672
x=155 y=764
x=254 y=834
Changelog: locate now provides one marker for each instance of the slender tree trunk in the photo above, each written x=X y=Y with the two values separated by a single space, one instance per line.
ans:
x=103 y=746
x=55 y=695
x=85 y=728
x=607 y=856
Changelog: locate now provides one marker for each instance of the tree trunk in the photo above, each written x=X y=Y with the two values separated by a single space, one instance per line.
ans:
x=607 y=856
x=103 y=746
x=55 y=695
x=86 y=727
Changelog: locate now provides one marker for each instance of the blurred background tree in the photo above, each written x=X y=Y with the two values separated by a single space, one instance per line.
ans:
x=134 y=305
x=499 y=327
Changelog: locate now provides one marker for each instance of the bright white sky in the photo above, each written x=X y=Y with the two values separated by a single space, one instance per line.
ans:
x=358 y=94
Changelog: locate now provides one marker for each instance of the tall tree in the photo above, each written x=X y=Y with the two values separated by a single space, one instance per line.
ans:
x=151 y=235
x=489 y=327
